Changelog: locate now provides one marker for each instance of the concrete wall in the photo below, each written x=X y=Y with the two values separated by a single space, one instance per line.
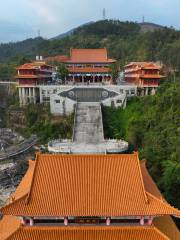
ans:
x=44 y=93
x=64 y=106
x=61 y=106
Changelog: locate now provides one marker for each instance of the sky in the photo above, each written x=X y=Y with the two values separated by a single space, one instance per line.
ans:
x=21 y=19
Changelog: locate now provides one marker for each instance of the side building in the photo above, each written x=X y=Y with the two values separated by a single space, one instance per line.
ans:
x=145 y=75
x=30 y=76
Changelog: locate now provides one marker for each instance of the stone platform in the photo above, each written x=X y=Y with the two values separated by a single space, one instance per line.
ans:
x=88 y=136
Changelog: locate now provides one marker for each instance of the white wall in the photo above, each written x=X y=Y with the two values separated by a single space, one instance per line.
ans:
x=64 y=106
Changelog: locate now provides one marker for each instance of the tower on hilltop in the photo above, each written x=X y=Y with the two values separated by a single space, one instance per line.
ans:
x=104 y=14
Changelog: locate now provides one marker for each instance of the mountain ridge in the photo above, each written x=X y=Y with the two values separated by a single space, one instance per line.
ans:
x=125 y=41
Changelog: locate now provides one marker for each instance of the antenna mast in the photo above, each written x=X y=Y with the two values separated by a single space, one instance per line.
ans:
x=143 y=19
x=39 y=33
x=104 y=14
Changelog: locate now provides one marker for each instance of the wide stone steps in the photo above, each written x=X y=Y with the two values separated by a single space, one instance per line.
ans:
x=88 y=123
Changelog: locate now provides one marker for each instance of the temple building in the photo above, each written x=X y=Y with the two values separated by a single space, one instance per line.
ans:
x=87 y=66
x=145 y=75
x=29 y=76
x=87 y=197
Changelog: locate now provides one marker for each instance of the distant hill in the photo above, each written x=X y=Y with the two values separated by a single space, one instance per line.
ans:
x=125 y=41
x=70 y=32
x=150 y=27
x=28 y=47
x=144 y=27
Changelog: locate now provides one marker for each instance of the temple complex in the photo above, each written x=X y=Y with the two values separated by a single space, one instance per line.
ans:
x=145 y=75
x=87 y=66
x=88 y=197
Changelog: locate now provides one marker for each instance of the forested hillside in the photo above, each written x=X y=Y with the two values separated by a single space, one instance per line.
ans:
x=152 y=126
x=124 y=40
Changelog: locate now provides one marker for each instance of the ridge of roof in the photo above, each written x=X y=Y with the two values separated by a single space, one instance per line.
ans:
x=166 y=204
x=148 y=181
x=141 y=177
x=166 y=225
x=161 y=233
x=32 y=181
x=23 y=187
x=8 y=226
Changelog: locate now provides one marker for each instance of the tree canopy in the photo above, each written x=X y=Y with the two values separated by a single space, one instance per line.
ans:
x=151 y=126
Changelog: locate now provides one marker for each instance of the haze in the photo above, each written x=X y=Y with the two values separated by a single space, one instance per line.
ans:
x=21 y=19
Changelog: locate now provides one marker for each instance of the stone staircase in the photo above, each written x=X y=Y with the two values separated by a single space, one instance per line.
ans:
x=88 y=127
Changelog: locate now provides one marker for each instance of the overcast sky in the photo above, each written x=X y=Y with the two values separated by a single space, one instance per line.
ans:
x=20 y=19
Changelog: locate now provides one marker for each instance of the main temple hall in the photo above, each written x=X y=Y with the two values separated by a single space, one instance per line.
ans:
x=88 y=197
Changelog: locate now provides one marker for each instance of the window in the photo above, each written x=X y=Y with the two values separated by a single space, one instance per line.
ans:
x=119 y=101
x=57 y=101
x=46 y=99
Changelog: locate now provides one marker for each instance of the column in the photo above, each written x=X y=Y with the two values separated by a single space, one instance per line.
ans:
x=29 y=95
x=153 y=91
x=40 y=93
x=142 y=221
x=142 y=92
x=34 y=96
x=93 y=78
x=31 y=222
x=150 y=220
x=23 y=96
x=82 y=78
x=108 y=221
x=73 y=79
x=20 y=96
x=103 y=78
x=65 y=221
x=146 y=89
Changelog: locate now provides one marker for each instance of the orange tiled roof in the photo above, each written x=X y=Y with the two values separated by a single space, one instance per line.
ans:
x=32 y=76
x=144 y=65
x=88 y=185
x=167 y=226
x=10 y=229
x=149 y=184
x=89 y=70
x=152 y=76
x=58 y=58
x=33 y=65
x=25 y=183
x=89 y=56
x=88 y=233
x=8 y=225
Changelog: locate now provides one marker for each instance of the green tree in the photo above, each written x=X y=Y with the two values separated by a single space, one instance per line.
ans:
x=114 y=69
x=63 y=71
x=151 y=126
